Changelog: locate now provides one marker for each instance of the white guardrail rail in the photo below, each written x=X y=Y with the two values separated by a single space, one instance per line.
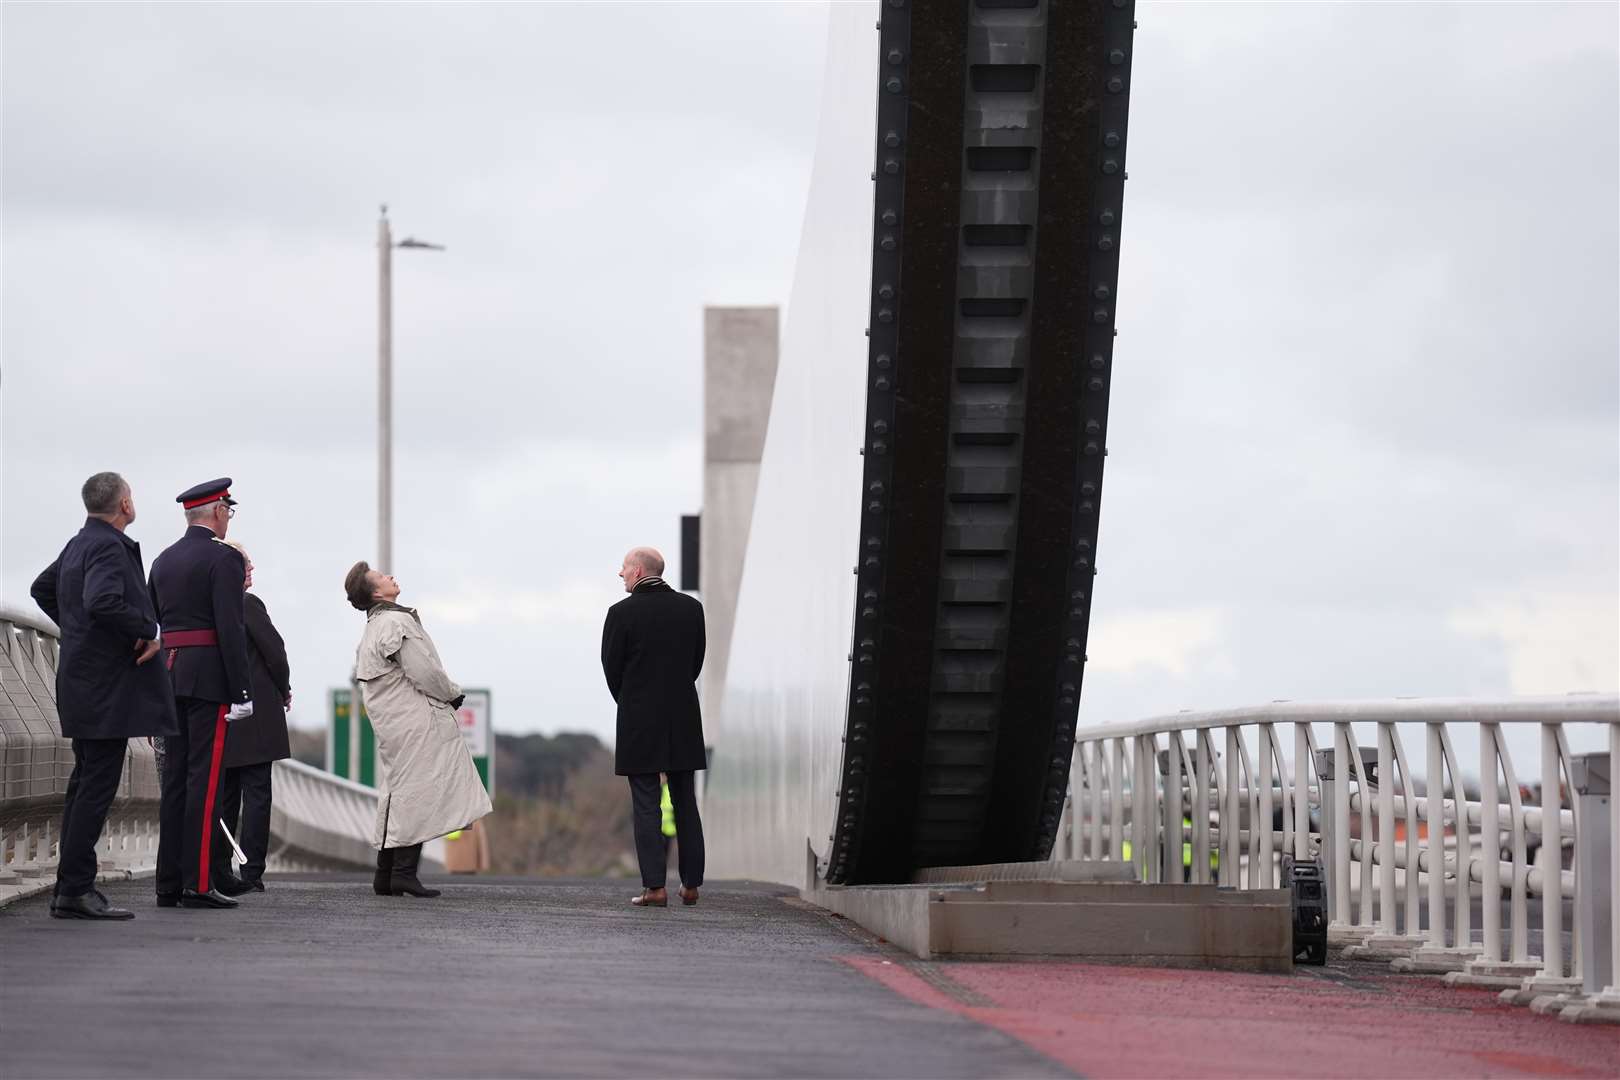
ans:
x=317 y=822
x=1218 y=797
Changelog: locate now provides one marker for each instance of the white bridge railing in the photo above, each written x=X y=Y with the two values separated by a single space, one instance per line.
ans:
x=1220 y=796
x=318 y=821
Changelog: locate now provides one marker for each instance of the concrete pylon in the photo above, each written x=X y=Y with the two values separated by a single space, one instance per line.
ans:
x=740 y=346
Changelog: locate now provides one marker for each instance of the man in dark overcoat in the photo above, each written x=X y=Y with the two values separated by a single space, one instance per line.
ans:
x=652 y=652
x=107 y=689
x=197 y=584
x=252 y=745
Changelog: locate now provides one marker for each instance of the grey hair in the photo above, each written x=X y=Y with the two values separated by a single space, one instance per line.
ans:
x=197 y=513
x=102 y=493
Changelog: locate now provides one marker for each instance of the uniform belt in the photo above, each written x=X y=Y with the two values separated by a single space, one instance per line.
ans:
x=184 y=639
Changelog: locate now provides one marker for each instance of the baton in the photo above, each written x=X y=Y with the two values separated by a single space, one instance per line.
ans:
x=240 y=858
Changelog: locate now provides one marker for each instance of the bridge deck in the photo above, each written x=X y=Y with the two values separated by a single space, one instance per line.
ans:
x=520 y=977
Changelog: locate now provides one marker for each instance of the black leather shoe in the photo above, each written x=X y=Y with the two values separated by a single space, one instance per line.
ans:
x=168 y=899
x=231 y=885
x=91 y=905
x=256 y=885
x=210 y=899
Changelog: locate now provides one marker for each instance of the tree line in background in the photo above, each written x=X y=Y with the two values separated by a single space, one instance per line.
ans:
x=559 y=810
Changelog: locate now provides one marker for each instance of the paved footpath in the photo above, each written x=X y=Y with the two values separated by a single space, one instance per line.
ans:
x=509 y=977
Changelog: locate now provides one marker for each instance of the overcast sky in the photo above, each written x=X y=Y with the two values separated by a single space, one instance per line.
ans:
x=1365 y=431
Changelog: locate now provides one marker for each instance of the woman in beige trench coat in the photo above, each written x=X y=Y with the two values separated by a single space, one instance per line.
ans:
x=430 y=786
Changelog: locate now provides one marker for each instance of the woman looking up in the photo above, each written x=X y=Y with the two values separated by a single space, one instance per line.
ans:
x=430 y=786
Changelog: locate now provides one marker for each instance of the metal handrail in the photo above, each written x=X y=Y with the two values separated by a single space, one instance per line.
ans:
x=1139 y=792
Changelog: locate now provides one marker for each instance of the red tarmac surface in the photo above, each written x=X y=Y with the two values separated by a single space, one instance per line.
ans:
x=1152 y=1022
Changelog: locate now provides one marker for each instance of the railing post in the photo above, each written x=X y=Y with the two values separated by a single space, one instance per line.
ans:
x=1436 y=836
x=1200 y=806
x=1171 y=803
x=1231 y=815
x=1302 y=793
x=1103 y=779
x=1116 y=800
x=1385 y=850
x=1594 y=849
x=1490 y=836
x=1267 y=807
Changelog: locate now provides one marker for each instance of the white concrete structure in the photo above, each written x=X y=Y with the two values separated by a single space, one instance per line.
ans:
x=739 y=373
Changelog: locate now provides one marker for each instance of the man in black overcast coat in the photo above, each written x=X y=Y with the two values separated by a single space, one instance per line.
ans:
x=107 y=689
x=652 y=652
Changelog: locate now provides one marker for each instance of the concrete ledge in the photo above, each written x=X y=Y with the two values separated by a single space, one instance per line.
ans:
x=1197 y=926
x=33 y=886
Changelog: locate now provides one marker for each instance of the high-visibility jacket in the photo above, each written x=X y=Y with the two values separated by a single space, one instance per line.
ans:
x=1186 y=849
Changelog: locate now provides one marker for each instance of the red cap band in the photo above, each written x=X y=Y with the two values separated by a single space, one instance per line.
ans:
x=206 y=499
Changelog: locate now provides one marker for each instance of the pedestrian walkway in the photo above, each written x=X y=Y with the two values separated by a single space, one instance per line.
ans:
x=519 y=977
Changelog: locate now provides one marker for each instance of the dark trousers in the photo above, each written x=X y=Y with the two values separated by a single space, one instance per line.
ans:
x=98 y=766
x=186 y=816
x=651 y=849
x=244 y=803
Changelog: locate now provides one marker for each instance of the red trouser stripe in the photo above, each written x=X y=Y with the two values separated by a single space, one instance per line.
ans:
x=203 y=882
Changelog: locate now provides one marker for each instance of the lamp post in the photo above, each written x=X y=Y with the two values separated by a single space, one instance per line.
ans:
x=385 y=384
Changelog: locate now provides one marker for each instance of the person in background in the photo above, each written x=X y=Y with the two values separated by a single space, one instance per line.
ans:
x=108 y=691
x=430 y=786
x=197 y=585
x=252 y=744
x=652 y=652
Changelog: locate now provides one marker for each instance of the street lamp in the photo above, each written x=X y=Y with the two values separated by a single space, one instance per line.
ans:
x=385 y=384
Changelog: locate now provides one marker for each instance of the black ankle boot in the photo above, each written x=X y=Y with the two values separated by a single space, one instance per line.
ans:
x=385 y=870
x=403 y=881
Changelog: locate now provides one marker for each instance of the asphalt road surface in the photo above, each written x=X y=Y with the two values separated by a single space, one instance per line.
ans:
x=516 y=977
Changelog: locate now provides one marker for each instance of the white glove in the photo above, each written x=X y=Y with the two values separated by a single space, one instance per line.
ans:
x=239 y=712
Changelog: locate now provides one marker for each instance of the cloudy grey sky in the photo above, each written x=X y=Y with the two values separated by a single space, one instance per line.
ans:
x=1364 y=425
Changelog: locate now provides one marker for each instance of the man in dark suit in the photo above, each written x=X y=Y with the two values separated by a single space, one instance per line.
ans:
x=107 y=689
x=197 y=585
x=253 y=744
x=652 y=652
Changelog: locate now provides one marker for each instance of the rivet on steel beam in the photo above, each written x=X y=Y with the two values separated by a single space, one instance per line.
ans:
x=1101 y=291
x=883 y=360
x=880 y=447
x=1095 y=384
x=1092 y=449
x=893 y=84
x=890 y=217
x=872 y=562
x=1111 y=140
x=1106 y=218
x=895 y=56
x=1117 y=3
x=885 y=315
x=892 y=139
x=1115 y=85
x=1077 y=613
x=891 y=166
x=1078 y=595
x=887 y=243
x=1088 y=489
x=875 y=507
x=886 y=291
x=1100 y=316
x=1088 y=507
x=1116 y=57
x=1110 y=166
x=881 y=383
x=876 y=488
x=1093 y=426
x=1105 y=243
x=874 y=543
x=866 y=613
x=1098 y=361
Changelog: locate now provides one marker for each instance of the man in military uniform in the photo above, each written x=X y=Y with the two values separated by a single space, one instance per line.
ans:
x=197 y=591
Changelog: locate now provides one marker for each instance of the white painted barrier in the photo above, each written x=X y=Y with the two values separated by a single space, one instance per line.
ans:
x=1224 y=809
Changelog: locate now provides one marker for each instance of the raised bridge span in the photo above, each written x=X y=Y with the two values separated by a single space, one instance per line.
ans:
x=940 y=431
